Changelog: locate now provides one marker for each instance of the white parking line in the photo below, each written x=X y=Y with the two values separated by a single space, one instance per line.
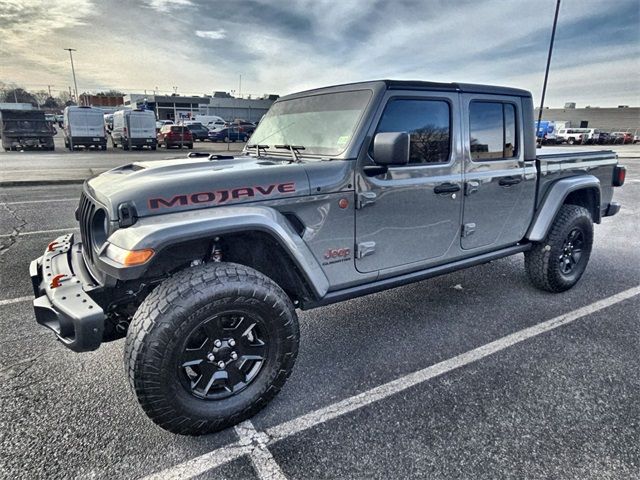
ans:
x=261 y=458
x=49 y=200
x=10 y=301
x=199 y=465
x=38 y=232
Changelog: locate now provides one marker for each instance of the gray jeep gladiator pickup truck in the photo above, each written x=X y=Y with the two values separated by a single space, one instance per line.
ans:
x=201 y=262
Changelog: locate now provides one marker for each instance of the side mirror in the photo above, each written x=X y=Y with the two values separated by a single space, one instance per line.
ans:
x=391 y=148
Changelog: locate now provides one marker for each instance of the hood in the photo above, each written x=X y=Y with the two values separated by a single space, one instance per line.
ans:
x=168 y=186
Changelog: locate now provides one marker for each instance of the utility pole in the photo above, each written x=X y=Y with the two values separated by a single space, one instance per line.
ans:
x=49 y=87
x=240 y=86
x=546 y=72
x=73 y=71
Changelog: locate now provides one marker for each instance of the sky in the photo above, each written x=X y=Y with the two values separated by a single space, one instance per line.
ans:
x=199 y=46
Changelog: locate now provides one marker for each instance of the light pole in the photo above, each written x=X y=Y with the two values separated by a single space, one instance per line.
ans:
x=73 y=70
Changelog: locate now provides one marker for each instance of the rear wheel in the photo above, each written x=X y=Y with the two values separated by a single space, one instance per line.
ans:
x=557 y=263
x=210 y=347
x=571 y=141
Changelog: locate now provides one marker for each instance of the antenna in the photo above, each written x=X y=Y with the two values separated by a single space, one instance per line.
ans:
x=546 y=73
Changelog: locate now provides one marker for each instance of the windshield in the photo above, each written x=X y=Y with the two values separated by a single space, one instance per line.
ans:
x=322 y=124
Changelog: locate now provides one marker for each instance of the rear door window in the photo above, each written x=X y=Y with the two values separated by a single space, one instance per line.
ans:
x=493 y=133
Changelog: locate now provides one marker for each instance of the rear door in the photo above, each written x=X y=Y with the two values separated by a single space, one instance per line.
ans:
x=499 y=187
x=141 y=125
x=409 y=217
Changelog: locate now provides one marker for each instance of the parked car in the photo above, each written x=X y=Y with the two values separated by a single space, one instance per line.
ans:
x=202 y=264
x=245 y=126
x=198 y=131
x=108 y=122
x=621 y=137
x=209 y=120
x=134 y=128
x=175 y=136
x=571 y=136
x=162 y=123
x=592 y=136
x=216 y=124
x=84 y=126
x=228 y=134
x=604 y=138
x=636 y=138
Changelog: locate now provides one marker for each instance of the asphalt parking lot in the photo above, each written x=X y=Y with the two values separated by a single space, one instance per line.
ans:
x=63 y=166
x=472 y=375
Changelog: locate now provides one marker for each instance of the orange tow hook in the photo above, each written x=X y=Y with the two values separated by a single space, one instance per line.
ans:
x=57 y=280
x=51 y=247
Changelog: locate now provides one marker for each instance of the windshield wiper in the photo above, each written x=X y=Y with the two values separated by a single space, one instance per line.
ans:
x=258 y=147
x=294 y=149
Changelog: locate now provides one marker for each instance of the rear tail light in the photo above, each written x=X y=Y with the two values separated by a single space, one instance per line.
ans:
x=619 y=175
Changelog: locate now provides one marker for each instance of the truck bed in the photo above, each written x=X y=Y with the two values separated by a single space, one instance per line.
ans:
x=559 y=153
x=556 y=163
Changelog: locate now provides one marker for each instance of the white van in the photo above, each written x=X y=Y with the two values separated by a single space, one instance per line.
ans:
x=84 y=126
x=134 y=128
x=210 y=121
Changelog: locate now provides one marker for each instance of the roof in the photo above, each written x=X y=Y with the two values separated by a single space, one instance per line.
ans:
x=460 y=87
x=415 y=85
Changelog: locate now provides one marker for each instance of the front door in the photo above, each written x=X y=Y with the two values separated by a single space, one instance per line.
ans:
x=498 y=191
x=410 y=216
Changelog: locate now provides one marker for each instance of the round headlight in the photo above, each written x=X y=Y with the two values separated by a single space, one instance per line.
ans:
x=99 y=228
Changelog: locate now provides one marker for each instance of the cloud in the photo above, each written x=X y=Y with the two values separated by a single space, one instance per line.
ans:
x=166 y=6
x=212 y=34
x=281 y=48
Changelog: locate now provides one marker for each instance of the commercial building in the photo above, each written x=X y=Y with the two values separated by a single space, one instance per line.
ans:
x=172 y=107
x=622 y=118
x=102 y=100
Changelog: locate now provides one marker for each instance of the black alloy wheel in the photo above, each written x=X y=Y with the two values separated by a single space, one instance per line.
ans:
x=571 y=251
x=223 y=355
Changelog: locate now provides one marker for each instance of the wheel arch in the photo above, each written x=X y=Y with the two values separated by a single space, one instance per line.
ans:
x=583 y=190
x=257 y=237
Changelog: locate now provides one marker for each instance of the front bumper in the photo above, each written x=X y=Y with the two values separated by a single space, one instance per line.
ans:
x=75 y=318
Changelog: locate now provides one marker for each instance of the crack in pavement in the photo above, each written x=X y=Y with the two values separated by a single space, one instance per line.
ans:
x=12 y=238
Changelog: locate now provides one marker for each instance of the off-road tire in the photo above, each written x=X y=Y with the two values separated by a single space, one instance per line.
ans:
x=175 y=308
x=542 y=261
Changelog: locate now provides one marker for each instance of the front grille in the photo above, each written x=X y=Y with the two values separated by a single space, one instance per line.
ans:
x=86 y=210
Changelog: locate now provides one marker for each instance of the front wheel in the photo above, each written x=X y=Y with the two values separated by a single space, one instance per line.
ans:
x=210 y=347
x=557 y=263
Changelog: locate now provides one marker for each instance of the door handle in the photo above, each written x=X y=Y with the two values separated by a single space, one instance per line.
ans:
x=508 y=181
x=447 y=188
